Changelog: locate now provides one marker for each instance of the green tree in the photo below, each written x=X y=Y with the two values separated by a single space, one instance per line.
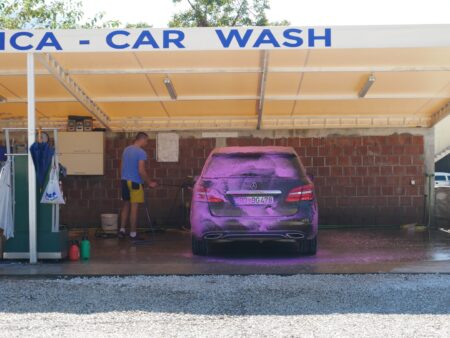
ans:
x=52 y=14
x=213 y=13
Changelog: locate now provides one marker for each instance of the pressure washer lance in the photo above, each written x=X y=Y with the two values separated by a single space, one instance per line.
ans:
x=152 y=230
x=187 y=184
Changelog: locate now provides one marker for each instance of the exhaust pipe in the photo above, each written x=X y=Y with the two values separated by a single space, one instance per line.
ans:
x=213 y=236
x=294 y=235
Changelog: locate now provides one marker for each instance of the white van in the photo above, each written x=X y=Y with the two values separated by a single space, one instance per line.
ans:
x=441 y=180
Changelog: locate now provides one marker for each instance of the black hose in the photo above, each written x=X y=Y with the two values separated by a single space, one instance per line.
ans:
x=186 y=183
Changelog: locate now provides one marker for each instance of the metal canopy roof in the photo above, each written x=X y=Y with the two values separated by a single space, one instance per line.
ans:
x=233 y=89
x=202 y=79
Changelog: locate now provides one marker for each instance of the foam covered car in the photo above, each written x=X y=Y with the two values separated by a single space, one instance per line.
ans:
x=254 y=193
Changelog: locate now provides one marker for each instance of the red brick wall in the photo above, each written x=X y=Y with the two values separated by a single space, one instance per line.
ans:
x=88 y=197
x=359 y=180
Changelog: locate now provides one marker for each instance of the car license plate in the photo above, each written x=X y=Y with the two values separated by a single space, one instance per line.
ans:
x=253 y=200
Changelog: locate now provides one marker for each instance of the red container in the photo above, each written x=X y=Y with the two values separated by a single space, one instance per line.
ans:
x=74 y=252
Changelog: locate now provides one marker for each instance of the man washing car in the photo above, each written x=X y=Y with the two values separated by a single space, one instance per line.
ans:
x=133 y=178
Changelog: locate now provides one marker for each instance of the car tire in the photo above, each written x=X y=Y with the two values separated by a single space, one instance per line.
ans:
x=199 y=247
x=307 y=247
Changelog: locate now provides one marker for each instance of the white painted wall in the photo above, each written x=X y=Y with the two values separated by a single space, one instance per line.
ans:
x=442 y=134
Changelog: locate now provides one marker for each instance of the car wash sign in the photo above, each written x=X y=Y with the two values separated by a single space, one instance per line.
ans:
x=242 y=38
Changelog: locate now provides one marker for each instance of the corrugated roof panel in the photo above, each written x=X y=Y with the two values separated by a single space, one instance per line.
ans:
x=287 y=58
x=332 y=83
x=400 y=57
x=133 y=109
x=212 y=108
x=217 y=84
x=46 y=87
x=283 y=83
x=15 y=61
x=366 y=107
x=281 y=108
x=71 y=61
x=43 y=110
x=61 y=109
x=124 y=85
x=446 y=90
x=431 y=106
x=211 y=59
x=224 y=85
x=420 y=83
x=12 y=110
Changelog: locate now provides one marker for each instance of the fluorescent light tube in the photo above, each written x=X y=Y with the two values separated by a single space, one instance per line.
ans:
x=370 y=81
x=170 y=88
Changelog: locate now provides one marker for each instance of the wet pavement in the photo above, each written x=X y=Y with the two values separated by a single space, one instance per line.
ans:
x=385 y=250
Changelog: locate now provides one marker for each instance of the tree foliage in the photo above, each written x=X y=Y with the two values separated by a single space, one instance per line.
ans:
x=52 y=14
x=66 y=14
x=214 y=13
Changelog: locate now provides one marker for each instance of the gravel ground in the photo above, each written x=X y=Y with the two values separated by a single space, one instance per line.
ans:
x=228 y=306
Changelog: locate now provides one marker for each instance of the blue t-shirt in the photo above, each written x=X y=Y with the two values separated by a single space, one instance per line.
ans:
x=130 y=163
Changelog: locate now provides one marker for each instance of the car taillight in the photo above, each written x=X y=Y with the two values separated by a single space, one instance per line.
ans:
x=303 y=193
x=202 y=194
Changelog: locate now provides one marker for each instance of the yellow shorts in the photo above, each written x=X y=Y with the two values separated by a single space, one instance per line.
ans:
x=132 y=192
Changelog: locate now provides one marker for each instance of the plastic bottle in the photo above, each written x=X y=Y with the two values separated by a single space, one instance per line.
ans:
x=74 y=251
x=85 y=248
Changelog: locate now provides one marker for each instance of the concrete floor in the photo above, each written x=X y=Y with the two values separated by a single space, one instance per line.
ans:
x=384 y=250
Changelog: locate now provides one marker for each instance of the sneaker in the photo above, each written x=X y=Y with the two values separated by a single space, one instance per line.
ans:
x=121 y=234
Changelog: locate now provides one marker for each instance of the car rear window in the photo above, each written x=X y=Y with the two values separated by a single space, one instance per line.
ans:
x=254 y=164
x=440 y=178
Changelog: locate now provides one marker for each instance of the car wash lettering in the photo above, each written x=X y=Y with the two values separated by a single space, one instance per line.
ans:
x=170 y=38
x=164 y=39
x=292 y=38
x=22 y=41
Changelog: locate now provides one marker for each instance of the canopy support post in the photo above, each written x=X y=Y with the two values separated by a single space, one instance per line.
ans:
x=32 y=213
x=262 y=86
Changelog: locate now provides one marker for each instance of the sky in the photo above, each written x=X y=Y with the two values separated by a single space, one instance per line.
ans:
x=297 y=12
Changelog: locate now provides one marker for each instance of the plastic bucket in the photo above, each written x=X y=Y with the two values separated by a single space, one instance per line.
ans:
x=110 y=222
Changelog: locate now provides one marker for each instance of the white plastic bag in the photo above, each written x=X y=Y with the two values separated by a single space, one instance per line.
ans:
x=53 y=193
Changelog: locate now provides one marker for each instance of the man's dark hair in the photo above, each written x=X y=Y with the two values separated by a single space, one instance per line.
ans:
x=141 y=135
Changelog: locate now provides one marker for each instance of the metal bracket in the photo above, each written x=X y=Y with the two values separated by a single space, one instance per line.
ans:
x=72 y=87
x=262 y=86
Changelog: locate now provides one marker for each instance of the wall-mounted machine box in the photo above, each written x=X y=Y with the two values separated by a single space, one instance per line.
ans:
x=82 y=153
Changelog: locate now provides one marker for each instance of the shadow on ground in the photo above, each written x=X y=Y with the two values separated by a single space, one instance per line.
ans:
x=232 y=295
